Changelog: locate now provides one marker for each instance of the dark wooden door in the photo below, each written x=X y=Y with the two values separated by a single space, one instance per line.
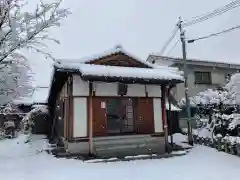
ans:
x=144 y=116
x=99 y=117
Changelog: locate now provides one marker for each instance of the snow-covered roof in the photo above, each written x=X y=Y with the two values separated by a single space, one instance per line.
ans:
x=154 y=72
x=173 y=108
x=123 y=72
x=115 y=50
x=39 y=96
x=167 y=60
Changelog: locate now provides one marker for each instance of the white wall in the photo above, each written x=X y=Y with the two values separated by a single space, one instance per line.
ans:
x=154 y=91
x=105 y=89
x=136 y=90
x=157 y=109
x=80 y=117
x=218 y=78
x=80 y=87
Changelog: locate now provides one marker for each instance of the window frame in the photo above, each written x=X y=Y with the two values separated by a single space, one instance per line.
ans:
x=200 y=79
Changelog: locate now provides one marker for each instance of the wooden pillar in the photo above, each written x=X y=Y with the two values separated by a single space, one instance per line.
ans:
x=70 y=106
x=90 y=106
x=68 y=109
x=164 y=117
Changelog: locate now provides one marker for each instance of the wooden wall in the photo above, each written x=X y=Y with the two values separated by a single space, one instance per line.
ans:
x=144 y=116
x=147 y=112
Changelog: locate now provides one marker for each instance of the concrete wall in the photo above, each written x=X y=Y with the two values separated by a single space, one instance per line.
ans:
x=218 y=79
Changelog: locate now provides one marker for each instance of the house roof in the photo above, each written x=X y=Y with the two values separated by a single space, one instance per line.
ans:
x=224 y=64
x=121 y=74
x=39 y=96
x=110 y=52
x=153 y=74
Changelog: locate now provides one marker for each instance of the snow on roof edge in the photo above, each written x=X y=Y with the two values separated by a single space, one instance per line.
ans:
x=193 y=59
x=117 y=71
x=115 y=50
x=39 y=96
x=173 y=107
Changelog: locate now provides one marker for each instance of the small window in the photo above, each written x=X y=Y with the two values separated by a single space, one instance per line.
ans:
x=203 y=78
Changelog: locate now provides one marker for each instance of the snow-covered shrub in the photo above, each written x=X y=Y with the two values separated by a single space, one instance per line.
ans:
x=29 y=120
x=218 y=109
x=9 y=123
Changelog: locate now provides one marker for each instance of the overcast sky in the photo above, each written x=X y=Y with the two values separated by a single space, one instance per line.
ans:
x=141 y=27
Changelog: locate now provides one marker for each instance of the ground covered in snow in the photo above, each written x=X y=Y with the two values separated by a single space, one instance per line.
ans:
x=27 y=161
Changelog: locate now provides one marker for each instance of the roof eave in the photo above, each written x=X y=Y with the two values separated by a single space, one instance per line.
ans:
x=130 y=80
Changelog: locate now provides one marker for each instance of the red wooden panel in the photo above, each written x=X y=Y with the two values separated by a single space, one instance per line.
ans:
x=145 y=117
x=99 y=117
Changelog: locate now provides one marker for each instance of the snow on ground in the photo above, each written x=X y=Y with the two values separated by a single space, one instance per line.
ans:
x=21 y=161
x=180 y=139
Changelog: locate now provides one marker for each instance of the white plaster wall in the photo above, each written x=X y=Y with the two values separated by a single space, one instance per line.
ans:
x=154 y=91
x=80 y=117
x=110 y=89
x=80 y=87
x=136 y=90
x=157 y=109
x=105 y=89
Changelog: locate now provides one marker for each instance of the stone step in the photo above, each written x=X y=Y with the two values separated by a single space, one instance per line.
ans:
x=128 y=144
x=122 y=137
x=128 y=151
x=122 y=141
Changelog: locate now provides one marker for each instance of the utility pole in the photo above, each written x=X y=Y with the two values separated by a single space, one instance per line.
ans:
x=183 y=40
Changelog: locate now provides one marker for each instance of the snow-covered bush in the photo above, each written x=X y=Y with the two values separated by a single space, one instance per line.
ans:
x=29 y=120
x=218 y=109
x=9 y=127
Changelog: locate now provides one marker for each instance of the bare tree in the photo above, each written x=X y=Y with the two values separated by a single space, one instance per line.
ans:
x=23 y=30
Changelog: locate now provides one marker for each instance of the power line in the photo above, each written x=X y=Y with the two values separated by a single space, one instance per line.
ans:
x=172 y=47
x=169 y=40
x=214 y=13
x=220 y=8
x=214 y=34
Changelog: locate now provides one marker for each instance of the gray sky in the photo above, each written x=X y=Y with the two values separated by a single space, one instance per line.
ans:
x=141 y=27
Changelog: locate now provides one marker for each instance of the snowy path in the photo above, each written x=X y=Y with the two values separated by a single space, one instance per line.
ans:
x=201 y=163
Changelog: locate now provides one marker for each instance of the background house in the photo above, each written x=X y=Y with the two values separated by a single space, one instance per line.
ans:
x=202 y=75
x=38 y=97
